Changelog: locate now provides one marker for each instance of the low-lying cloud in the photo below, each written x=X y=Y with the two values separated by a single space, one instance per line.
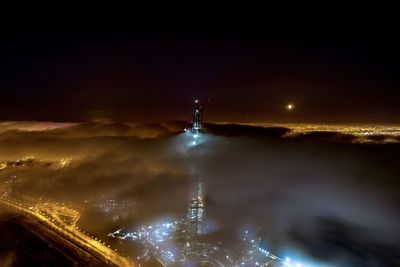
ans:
x=334 y=200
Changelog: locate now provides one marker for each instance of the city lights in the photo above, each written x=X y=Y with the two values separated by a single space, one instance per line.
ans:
x=176 y=240
x=263 y=137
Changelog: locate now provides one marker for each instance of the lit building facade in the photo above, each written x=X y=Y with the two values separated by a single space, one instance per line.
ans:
x=197 y=118
x=195 y=216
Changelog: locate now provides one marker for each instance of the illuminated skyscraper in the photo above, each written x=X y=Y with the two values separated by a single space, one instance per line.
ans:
x=195 y=215
x=197 y=118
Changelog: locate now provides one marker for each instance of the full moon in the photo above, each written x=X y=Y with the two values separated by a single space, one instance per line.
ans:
x=289 y=106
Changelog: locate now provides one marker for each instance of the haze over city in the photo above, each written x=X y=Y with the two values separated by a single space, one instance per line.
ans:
x=250 y=138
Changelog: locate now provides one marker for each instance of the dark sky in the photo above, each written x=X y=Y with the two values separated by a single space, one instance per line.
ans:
x=335 y=62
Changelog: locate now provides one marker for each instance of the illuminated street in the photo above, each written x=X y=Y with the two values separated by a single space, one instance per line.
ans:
x=247 y=136
x=50 y=215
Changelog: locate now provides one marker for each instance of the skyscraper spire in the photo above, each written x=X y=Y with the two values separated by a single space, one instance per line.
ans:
x=197 y=118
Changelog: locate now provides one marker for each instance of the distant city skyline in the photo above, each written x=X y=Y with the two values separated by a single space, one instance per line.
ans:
x=190 y=136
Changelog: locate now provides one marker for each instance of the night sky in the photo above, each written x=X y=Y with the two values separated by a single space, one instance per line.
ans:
x=336 y=63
